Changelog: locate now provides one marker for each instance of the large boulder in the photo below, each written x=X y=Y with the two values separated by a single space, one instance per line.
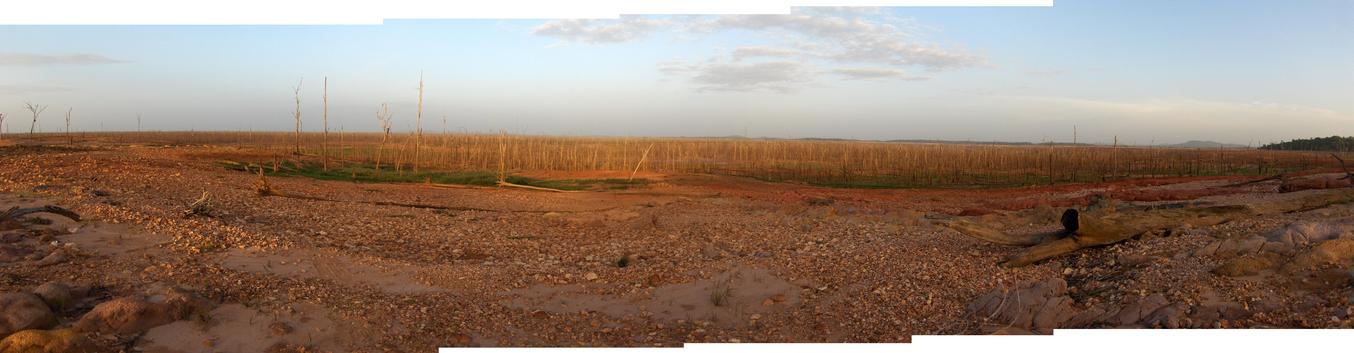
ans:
x=41 y=341
x=1330 y=252
x=125 y=315
x=1307 y=232
x=57 y=295
x=23 y=311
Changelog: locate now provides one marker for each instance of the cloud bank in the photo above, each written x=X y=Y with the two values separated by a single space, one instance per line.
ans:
x=797 y=49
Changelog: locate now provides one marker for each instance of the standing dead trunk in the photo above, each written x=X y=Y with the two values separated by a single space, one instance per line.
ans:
x=69 y=137
x=383 y=116
x=418 y=124
x=296 y=91
x=37 y=110
x=324 y=139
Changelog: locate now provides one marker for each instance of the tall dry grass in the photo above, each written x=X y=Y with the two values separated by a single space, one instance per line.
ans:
x=834 y=163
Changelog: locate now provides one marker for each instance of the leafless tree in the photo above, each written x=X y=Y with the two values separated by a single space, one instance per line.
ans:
x=69 y=137
x=36 y=110
x=2 y=125
x=297 y=115
x=383 y=116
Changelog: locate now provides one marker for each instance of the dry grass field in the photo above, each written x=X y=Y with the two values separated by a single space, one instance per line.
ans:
x=237 y=242
x=850 y=164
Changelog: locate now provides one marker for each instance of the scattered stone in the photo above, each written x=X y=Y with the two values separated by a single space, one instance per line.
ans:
x=590 y=276
x=1247 y=265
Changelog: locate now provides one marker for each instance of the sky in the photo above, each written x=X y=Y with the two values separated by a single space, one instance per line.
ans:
x=1144 y=72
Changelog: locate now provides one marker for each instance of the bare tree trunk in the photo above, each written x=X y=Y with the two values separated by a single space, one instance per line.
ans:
x=383 y=116
x=297 y=115
x=324 y=140
x=69 y=137
x=418 y=123
x=2 y=125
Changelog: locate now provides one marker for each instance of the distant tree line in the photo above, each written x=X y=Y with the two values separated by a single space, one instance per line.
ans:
x=1333 y=143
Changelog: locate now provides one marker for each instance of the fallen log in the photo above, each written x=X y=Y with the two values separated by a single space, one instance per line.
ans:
x=16 y=212
x=1105 y=226
x=265 y=189
x=529 y=187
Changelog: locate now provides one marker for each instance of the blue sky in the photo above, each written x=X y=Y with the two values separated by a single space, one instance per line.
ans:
x=1145 y=71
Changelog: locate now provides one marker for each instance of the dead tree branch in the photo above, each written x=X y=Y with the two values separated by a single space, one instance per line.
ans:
x=16 y=212
x=1348 y=174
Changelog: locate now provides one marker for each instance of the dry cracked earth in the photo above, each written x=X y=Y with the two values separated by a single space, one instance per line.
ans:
x=686 y=258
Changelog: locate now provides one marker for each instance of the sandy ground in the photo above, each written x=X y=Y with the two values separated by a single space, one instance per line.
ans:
x=706 y=259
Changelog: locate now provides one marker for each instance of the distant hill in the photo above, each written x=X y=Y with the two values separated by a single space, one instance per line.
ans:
x=1205 y=144
x=1333 y=143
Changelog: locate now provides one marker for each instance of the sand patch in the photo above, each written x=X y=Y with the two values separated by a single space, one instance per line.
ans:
x=328 y=265
x=236 y=328
x=728 y=299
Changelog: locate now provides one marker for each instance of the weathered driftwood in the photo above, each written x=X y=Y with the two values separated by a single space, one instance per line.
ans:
x=1106 y=226
x=16 y=212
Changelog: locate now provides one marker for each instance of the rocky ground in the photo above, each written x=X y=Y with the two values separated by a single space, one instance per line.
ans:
x=685 y=258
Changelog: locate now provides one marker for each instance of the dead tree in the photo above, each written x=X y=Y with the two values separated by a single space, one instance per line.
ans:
x=324 y=140
x=418 y=123
x=296 y=91
x=1107 y=225
x=37 y=110
x=1348 y=175
x=383 y=116
x=69 y=137
x=2 y=125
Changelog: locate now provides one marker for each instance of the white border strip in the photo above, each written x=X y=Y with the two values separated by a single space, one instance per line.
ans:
x=367 y=12
x=1080 y=341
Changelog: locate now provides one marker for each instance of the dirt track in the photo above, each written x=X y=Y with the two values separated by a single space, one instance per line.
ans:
x=708 y=259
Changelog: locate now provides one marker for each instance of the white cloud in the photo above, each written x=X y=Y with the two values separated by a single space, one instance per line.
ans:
x=626 y=29
x=718 y=75
x=28 y=59
x=872 y=73
x=869 y=43
x=850 y=38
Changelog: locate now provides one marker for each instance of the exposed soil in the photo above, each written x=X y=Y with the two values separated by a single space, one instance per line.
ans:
x=682 y=258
